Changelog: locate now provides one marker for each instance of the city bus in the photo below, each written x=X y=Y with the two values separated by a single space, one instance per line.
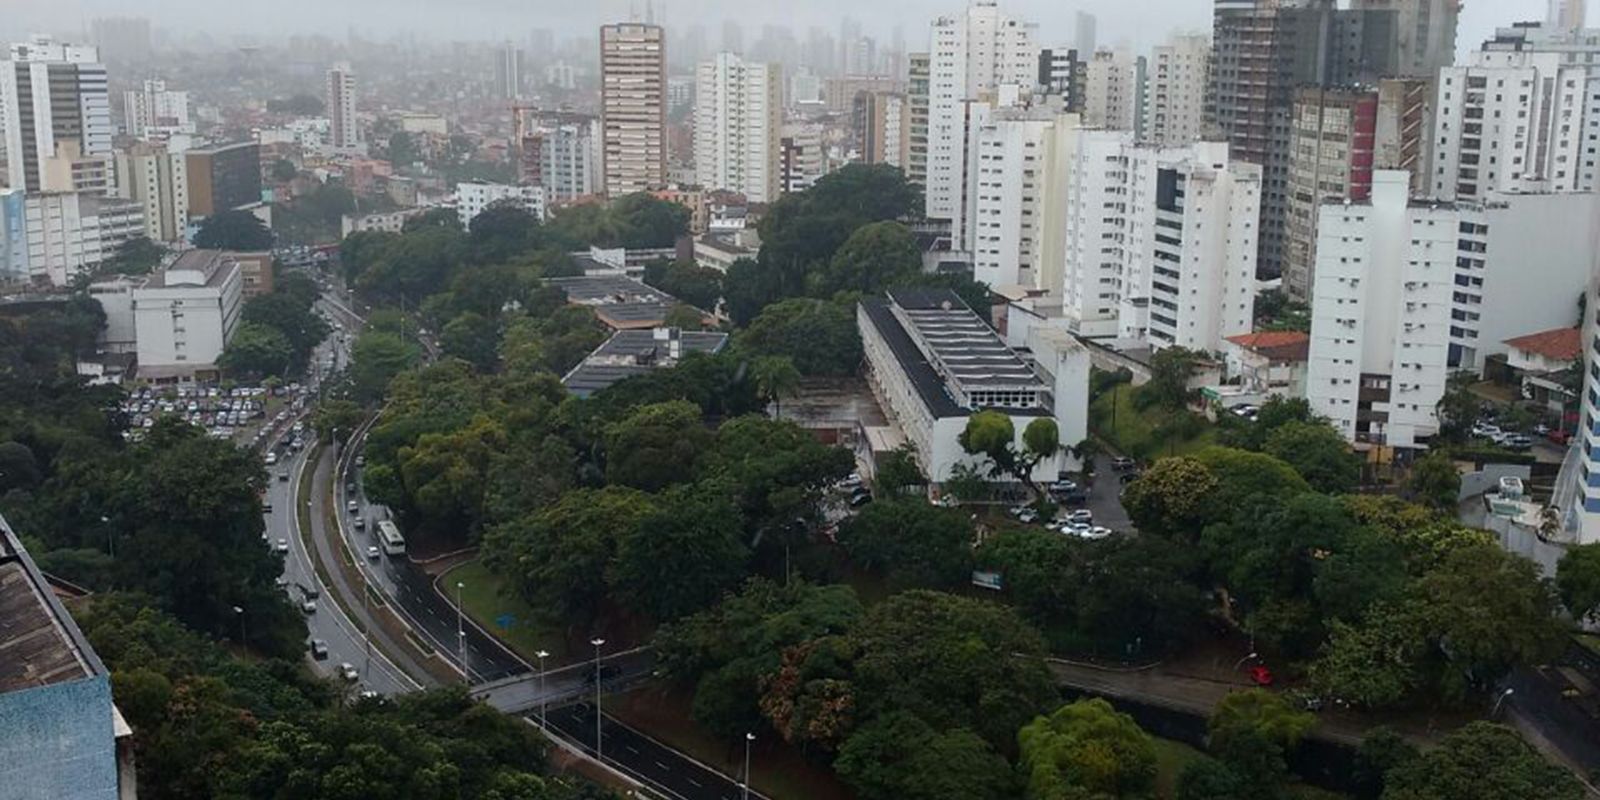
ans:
x=389 y=536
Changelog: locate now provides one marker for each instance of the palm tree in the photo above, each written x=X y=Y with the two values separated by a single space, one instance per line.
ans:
x=775 y=377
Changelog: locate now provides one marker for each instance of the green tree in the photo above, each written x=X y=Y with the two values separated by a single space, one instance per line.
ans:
x=748 y=288
x=1318 y=453
x=1170 y=371
x=698 y=286
x=376 y=359
x=1458 y=407
x=289 y=311
x=1173 y=498
x=403 y=149
x=818 y=336
x=775 y=377
x=1435 y=481
x=911 y=542
x=283 y=170
x=898 y=472
x=876 y=256
x=900 y=757
x=1481 y=761
x=682 y=557
x=1087 y=749
x=256 y=351
x=802 y=231
x=656 y=446
x=1577 y=578
x=473 y=338
x=1381 y=751
x=502 y=231
x=337 y=418
x=136 y=256
x=233 y=230
x=991 y=434
x=1253 y=732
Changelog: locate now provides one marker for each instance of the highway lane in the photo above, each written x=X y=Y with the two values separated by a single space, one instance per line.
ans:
x=527 y=692
x=669 y=772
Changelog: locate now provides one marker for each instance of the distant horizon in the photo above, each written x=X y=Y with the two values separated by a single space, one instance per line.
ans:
x=1139 y=24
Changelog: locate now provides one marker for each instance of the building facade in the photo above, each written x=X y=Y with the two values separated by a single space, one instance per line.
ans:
x=1111 y=91
x=185 y=315
x=53 y=99
x=1407 y=292
x=474 y=197
x=738 y=119
x=154 y=112
x=881 y=123
x=1173 y=112
x=344 y=131
x=917 y=102
x=633 y=84
x=159 y=182
x=69 y=233
x=223 y=178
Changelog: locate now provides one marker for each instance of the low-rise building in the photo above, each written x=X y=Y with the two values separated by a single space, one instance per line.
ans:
x=386 y=221
x=718 y=251
x=619 y=301
x=1268 y=363
x=184 y=315
x=473 y=197
x=932 y=363
x=1539 y=364
x=60 y=733
x=69 y=233
x=635 y=352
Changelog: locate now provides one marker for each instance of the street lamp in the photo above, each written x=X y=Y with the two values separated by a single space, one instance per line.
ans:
x=541 y=656
x=461 y=635
x=597 y=642
x=1247 y=657
x=1501 y=699
x=748 y=738
x=240 y=613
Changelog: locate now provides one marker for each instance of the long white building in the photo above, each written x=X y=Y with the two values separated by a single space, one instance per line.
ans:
x=474 y=197
x=185 y=315
x=1578 y=47
x=738 y=119
x=971 y=54
x=53 y=103
x=69 y=233
x=1408 y=291
x=1511 y=122
x=1174 y=108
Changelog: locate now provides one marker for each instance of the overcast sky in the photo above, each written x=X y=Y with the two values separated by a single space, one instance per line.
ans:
x=1137 y=22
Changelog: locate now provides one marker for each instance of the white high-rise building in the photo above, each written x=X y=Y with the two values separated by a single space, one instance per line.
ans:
x=1011 y=185
x=1110 y=90
x=1576 y=496
x=1511 y=122
x=1576 y=48
x=633 y=111
x=53 y=103
x=1174 y=108
x=475 y=197
x=154 y=112
x=158 y=181
x=972 y=54
x=738 y=119
x=72 y=232
x=344 y=132
x=1408 y=291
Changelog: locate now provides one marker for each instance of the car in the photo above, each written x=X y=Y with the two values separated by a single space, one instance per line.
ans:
x=271 y=458
x=361 y=461
x=1075 y=528
x=361 y=523
x=281 y=582
x=1485 y=430
x=348 y=671
x=1083 y=515
x=1122 y=463
x=352 y=506
x=1559 y=437
x=853 y=479
x=1541 y=429
x=1016 y=511
x=372 y=553
x=368 y=694
x=1516 y=441
x=1245 y=410
x=1063 y=486
x=319 y=649
x=1076 y=497
x=1260 y=675
x=1028 y=517
x=1097 y=532
x=283 y=545
x=1129 y=477
x=350 y=487
x=860 y=500
x=283 y=475
x=308 y=606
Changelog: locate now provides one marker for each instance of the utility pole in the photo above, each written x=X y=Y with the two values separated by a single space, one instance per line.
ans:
x=542 y=699
x=597 y=642
x=461 y=636
x=748 y=738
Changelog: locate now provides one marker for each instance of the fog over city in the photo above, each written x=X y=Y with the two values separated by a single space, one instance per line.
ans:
x=1137 y=22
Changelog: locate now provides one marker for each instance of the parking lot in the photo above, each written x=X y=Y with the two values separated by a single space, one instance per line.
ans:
x=244 y=414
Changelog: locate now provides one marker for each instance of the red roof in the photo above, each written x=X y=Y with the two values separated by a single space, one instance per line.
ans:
x=1276 y=345
x=1558 y=344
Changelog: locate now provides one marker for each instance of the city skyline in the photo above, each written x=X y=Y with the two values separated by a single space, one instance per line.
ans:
x=1139 y=24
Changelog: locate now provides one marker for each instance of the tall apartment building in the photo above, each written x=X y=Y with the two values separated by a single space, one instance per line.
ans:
x=154 y=112
x=1425 y=32
x=918 y=66
x=1263 y=51
x=802 y=157
x=1576 y=48
x=1063 y=73
x=508 y=72
x=881 y=123
x=53 y=104
x=973 y=53
x=223 y=177
x=1338 y=137
x=13 y=236
x=1174 y=109
x=1577 y=492
x=1567 y=15
x=633 y=82
x=738 y=119
x=159 y=182
x=1511 y=122
x=1408 y=291
x=1013 y=186
x=344 y=132
x=559 y=151
x=1084 y=32
x=1110 y=91
x=69 y=233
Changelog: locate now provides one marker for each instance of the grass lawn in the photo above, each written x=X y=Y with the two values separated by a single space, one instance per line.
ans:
x=1143 y=434
x=501 y=612
x=776 y=769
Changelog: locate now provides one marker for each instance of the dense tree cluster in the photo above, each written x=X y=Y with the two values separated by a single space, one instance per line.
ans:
x=277 y=331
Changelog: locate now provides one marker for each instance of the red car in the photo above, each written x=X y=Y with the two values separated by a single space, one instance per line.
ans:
x=1261 y=675
x=1558 y=436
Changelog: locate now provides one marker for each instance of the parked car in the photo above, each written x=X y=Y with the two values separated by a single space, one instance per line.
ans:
x=1063 y=486
x=308 y=606
x=1559 y=437
x=1028 y=517
x=1083 y=515
x=1516 y=441
x=1485 y=430
x=1260 y=675
x=361 y=523
x=348 y=671
x=319 y=649
x=1122 y=463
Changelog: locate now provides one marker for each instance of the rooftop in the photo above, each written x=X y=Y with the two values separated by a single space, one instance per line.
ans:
x=1556 y=344
x=619 y=301
x=635 y=352
x=40 y=645
x=1276 y=345
x=193 y=268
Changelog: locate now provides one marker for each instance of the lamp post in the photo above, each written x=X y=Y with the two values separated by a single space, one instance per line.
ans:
x=238 y=611
x=1247 y=657
x=1501 y=699
x=597 y=642
x=542 y=699
x=461 y=635
x=748 y=738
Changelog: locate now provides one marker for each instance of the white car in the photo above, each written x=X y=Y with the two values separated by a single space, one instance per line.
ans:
x=348 y=671
x=308 y=606
x=1083 y=515
x=372 y=553
x=1096 y=532
x=283 y=545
